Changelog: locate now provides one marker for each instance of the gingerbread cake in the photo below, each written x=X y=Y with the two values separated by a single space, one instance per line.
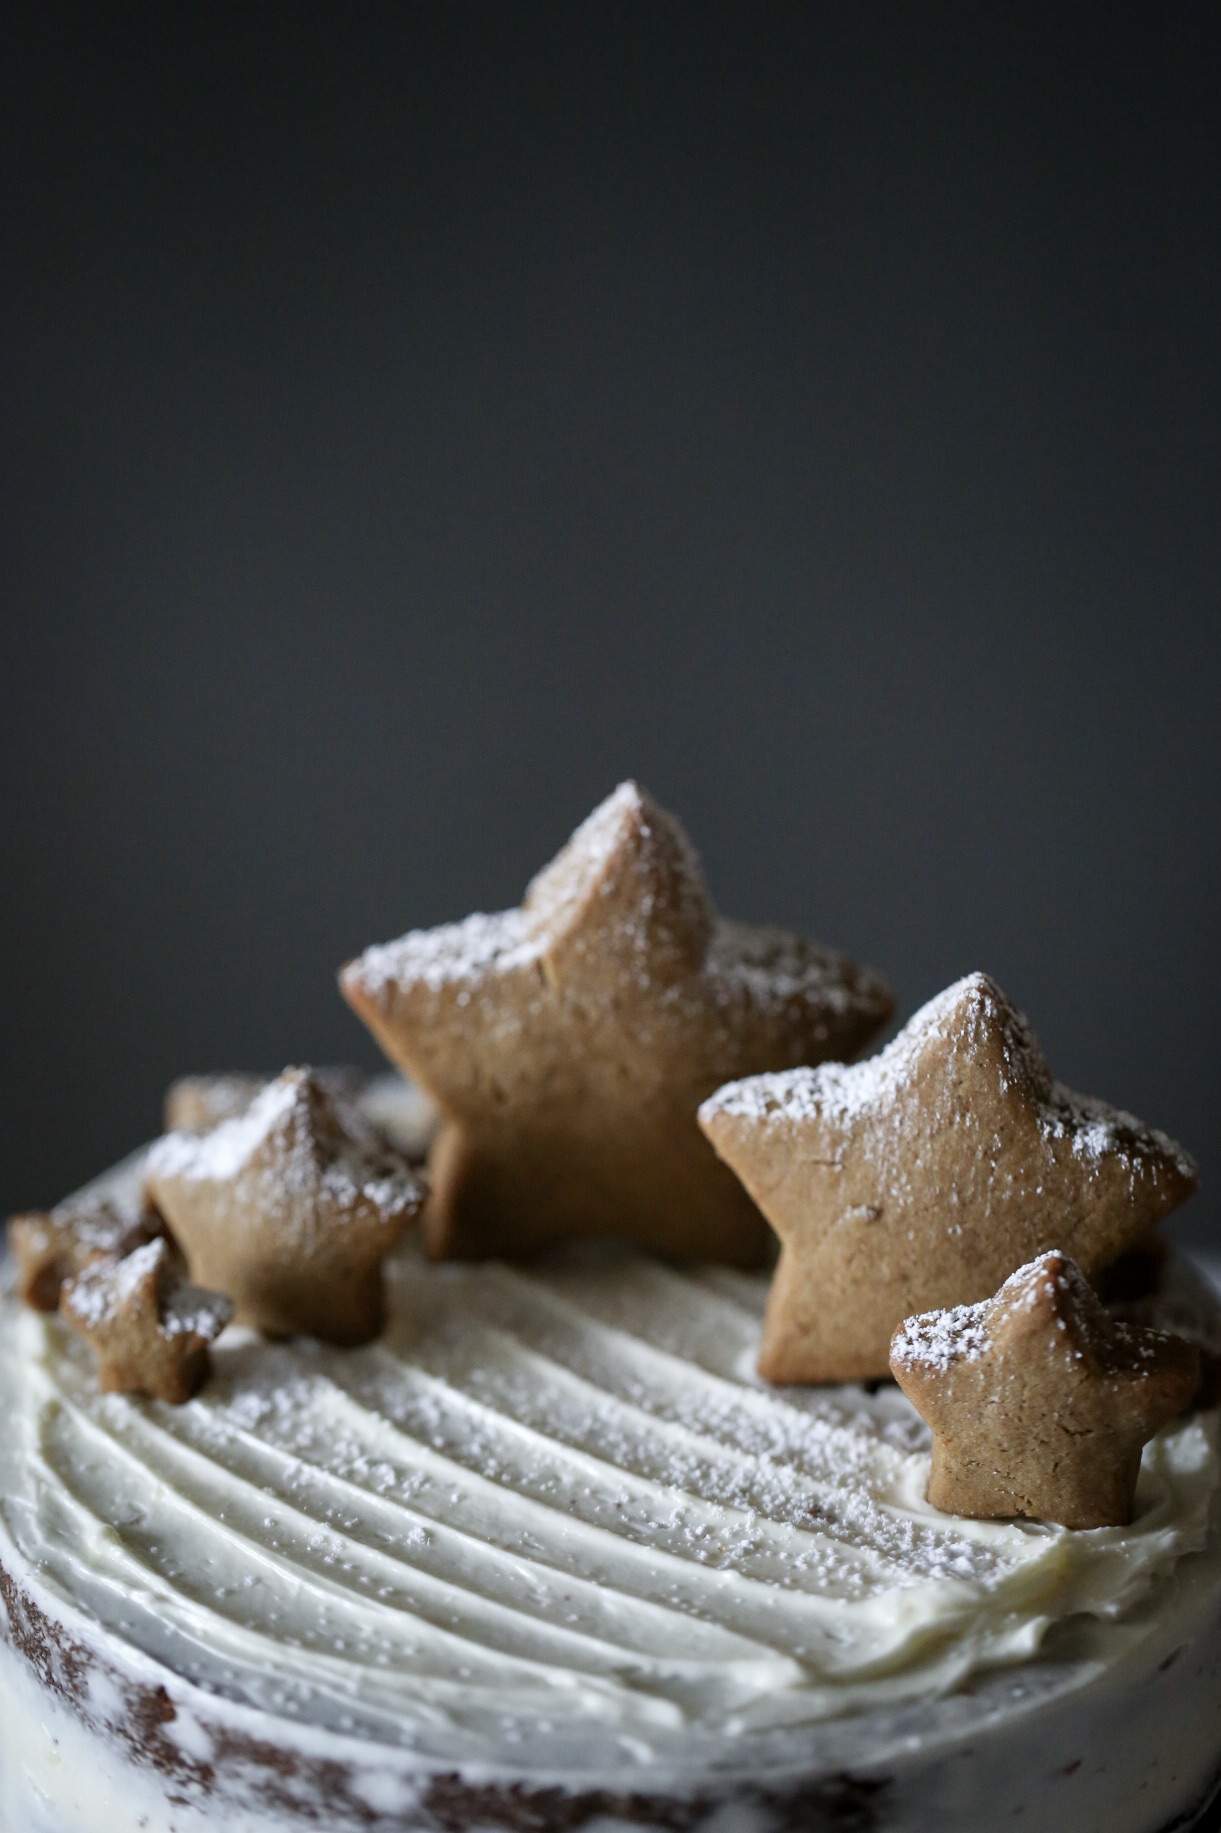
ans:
x=478 y=1525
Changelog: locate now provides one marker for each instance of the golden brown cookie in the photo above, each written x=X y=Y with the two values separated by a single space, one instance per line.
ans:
x=923 y=1177
x=1038 y=1400
x=196 y=1104
x=290 y=1209
x=52 y=1246
x=568 y=1044
x=150 y=1328
x=1170 y=1295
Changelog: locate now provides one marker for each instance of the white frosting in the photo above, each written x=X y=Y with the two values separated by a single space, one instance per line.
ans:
x=553 y=1526
x=551 y=1515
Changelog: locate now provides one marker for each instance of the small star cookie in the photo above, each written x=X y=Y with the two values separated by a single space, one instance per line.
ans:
x=924 y=1176
x=196 y=1104
x=52 y=1247
x=1039 y=1401
x=400 y=1114
x=151 y=1330
x=290 y=1209
x=568 y=1044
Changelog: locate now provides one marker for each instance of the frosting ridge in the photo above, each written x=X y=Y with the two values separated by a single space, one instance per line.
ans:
x=551 y=1510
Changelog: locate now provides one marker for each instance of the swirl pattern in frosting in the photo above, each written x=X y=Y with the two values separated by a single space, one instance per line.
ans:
x=552 y=1514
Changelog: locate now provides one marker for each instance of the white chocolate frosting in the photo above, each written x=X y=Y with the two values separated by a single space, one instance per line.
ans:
x=551 y=1518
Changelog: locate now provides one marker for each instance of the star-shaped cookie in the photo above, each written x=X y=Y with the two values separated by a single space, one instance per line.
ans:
x=568 y=1044
x=196 y=1104
x=53 y=1246
x=290 y=1209
x=399 y=1113
x=1039 y=1401
x=924 y=1176
x=151 y=1330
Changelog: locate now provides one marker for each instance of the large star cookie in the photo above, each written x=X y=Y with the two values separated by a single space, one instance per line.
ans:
x=290 y=1209
x=923 y=1177
x=569 y=1043
x=151 y=1330
x=1038 y=1400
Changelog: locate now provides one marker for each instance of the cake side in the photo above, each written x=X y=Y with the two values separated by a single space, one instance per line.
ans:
x=86 y=1745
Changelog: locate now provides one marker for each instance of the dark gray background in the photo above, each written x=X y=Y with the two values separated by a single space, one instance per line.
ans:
x=417 y=418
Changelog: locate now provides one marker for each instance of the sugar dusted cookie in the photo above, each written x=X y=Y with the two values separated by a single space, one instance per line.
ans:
x=150 y=1328
x=1170 y=1294
x=196 y=1104
x=924 y=1176
x=290 y=1209
x=51 y=1247
x=568 y=1044
x=1039 y=1400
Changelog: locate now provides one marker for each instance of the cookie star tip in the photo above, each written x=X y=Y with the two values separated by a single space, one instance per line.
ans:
x=628 y=880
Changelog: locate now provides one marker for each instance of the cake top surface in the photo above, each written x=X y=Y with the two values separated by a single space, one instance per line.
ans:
x=551 y=1516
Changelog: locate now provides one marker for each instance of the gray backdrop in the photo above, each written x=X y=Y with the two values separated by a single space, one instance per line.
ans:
x=417 y=418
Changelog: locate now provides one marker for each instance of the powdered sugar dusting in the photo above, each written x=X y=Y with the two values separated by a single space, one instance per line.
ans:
x=626 y=824
x=316 y=1154
x=453 y=954
x=108 y=1288
x=632 y=859
x=963 y=1016
x=940 y=1338
x=223 y=1151
x=841 y=1093
x=191 y=1310
x=1096 y=1131
x=100 y=1224
x=772 y=967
